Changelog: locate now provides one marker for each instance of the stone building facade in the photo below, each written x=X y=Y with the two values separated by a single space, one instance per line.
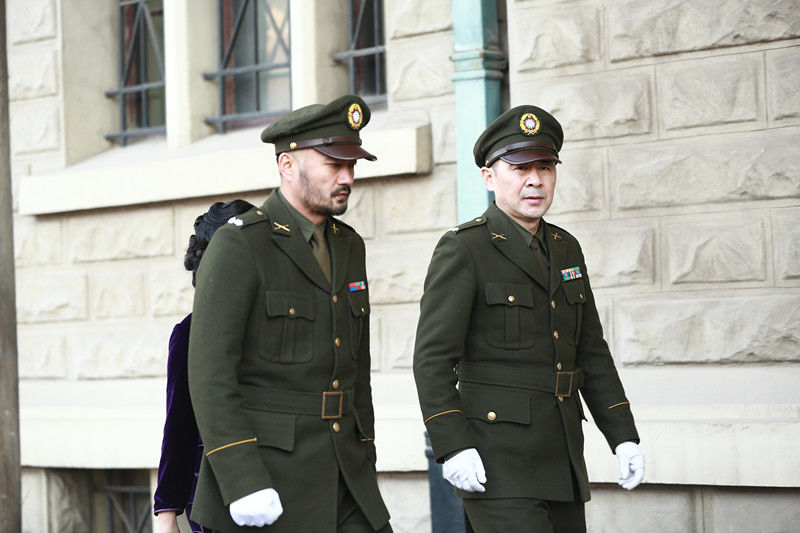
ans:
x=681 y=178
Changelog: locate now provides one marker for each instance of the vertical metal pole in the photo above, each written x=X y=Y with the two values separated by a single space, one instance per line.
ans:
x=479 y=70
x=10 y=503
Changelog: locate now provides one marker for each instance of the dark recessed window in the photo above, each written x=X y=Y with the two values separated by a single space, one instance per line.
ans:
x=254 y=75
x=366 y=56
x=141 y=62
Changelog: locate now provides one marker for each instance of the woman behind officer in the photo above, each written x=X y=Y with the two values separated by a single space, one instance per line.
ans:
x=181 y=448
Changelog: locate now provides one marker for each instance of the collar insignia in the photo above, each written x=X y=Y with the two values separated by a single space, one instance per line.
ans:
x=500 y=236
x=277 y=227
x=556 y=236
x=334 y=228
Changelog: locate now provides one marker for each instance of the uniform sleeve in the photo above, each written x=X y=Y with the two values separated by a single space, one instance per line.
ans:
x=179 y=445
x=444 y=319
x=227 y=282
x=602 y=389
x=363 y=388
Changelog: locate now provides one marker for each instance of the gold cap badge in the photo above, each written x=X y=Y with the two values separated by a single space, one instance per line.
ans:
x=529 y=124
x=355 y=117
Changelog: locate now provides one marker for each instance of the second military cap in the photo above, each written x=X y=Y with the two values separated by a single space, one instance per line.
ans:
x=523 y=134
x=332 y=129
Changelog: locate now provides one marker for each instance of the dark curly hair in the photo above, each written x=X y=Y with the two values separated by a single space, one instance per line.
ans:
x=204 y=227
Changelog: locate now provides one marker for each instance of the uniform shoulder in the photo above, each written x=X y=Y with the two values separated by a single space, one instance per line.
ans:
x=248 y=218
x=469 y=224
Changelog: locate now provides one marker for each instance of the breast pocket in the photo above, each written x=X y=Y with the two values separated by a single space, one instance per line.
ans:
x=576 y=296
x=287 y=333
x=510 y=321
x=359 y=314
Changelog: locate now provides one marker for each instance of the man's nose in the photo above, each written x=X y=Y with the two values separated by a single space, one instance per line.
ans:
x=533 y=179
x=346 y=175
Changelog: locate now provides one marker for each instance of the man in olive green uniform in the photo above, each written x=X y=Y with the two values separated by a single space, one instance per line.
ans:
x=508 y=314
x=279 y=362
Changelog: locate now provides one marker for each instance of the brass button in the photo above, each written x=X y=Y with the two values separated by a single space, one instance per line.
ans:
x=292 y=312
x=558 y=367
x=555 y=334
x=580 y=295
x=477 y=219
x=553 y=304
x=335 y=384
x=259 y=212
x=337 y=342
x=560 y=399
x=337 y=427
x=335 y=298
x=511 y=298
x=292 y=145
x=363 y=311
x=491 y=415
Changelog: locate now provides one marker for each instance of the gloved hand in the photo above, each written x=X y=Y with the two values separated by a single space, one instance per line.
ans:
x=465 y=471
x=631 y=465
x=257 y=509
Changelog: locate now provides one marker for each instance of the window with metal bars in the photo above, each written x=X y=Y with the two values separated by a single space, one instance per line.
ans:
x=366 y=56
x=254 y=76
x=141 y=62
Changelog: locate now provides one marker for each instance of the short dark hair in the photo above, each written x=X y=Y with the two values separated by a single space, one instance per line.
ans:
x=204 y=227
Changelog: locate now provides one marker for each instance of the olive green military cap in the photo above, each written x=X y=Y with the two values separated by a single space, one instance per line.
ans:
x=523 y=134
x=331 y=129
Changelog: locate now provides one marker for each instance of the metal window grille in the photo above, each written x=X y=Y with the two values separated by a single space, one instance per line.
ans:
x=254 y=76
x=128 y=506
x=141 y=79
x=366 y=56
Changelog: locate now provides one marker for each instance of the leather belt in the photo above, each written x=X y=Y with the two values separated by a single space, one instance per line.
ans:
x=327 y=405
x=559 y=384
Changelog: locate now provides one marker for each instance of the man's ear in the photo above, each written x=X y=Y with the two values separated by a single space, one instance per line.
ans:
x=488 y=178
x=287 y=165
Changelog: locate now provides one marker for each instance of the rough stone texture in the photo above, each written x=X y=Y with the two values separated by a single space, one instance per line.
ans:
x=52 y=297
x=360 y=212
x=746 y=509
x=42 y=354
x=70 y=500
x=396 y=269
x=170 y=291
x=121 y=351
x=546 y=39
x=423 y=203
x=676 y=174
x=641 y=29
x=443 y=131
x=404 y=19
x=122 y=235
x=32 y=73
x=710 y=92
x=30 y=20
x=35 y=126
x=116 y=293
x=37 y=241
x=617 y=254
x=399 y=338
x=716 y=330
x=34 y=500
x=419 y=67
x=614 y=105
x=648 y=508
x=783 y=73
x=581 y=182
x=406 y=496
x=704 y=252
x=786 y=237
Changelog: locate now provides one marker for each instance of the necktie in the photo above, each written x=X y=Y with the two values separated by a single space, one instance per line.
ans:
x=536 y=247
x=320 y=250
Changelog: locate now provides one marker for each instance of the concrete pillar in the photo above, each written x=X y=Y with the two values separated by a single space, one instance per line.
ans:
x=10 y=504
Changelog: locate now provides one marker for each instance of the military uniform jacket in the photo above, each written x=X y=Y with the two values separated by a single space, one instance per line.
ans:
x=269 y=336
x=492 y=321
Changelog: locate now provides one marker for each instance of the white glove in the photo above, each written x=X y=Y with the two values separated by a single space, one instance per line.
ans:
x=257 y=509
x=465 y=471
x=631 y=465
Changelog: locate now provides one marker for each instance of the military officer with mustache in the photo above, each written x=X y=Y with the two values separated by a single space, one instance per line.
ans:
x=509 y=340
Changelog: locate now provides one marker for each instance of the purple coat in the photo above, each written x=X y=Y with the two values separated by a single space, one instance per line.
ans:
x=181 y=448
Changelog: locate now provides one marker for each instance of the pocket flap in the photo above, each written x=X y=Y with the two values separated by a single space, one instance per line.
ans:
x=275 y=430
x=359 y=303
x=574 y=289
x=290 y=304
x=496 y=405
x=511 y=294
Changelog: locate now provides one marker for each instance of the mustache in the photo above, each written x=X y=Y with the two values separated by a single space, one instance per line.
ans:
x=533 y=194
x=340 y=190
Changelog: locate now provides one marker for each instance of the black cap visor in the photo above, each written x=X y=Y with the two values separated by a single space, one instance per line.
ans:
x=529 y=156
x=348 y=152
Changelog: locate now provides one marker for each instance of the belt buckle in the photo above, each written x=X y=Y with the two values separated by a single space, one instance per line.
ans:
x=569 y=387
x=325 y=396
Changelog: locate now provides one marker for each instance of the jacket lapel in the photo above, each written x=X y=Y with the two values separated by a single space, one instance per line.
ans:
x=509 y=242
x=556 y=244
x=340 y=252
x=288 y=237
